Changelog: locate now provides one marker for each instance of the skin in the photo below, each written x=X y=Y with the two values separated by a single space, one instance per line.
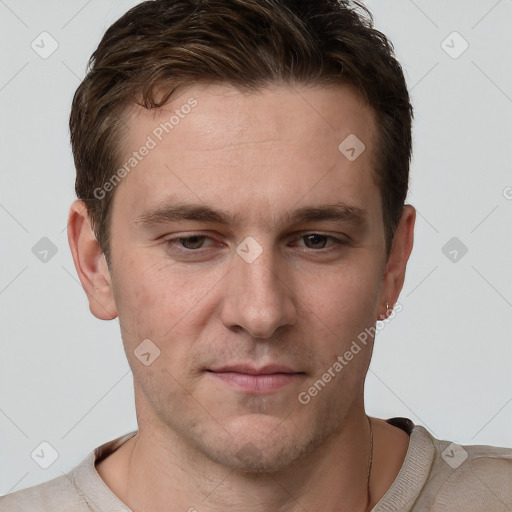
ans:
x=202 y=443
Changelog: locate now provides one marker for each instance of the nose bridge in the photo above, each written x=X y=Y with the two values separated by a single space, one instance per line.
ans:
x=257 y=299
x=261 y=277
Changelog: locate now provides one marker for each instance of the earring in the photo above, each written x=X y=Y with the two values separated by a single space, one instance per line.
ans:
x=385 y=315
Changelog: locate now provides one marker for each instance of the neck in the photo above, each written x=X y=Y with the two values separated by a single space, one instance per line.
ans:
x=157 y=471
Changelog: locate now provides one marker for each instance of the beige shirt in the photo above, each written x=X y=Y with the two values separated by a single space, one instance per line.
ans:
x=436 y=476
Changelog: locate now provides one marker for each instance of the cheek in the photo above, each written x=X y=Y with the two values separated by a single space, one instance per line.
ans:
x=342 y=311
x=161 y=301
x=341 y=316
x=345 y=297
x=155 y=304
x=138 y=301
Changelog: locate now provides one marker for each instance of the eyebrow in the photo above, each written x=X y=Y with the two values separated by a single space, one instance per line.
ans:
x=338 y=211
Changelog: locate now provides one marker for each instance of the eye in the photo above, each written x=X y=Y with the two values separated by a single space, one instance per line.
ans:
x=318 y=241
x=194 y=242
x=190 y=242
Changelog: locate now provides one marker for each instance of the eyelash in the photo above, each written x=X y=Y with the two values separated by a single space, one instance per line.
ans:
x=174 y=241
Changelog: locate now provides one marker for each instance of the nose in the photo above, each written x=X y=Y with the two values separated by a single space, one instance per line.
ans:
x=258 y=296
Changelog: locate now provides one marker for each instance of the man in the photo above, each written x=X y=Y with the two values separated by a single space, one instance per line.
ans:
x=242 y=167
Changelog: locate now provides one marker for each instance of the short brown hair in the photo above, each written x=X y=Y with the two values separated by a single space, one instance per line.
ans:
x=160 y=45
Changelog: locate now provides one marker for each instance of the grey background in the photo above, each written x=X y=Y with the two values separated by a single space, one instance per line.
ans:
x=444 y=361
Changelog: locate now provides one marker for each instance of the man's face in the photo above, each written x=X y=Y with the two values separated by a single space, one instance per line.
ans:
x=263 y=289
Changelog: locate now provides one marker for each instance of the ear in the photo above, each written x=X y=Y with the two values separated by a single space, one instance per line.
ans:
x=394 y=274
x=90 y=263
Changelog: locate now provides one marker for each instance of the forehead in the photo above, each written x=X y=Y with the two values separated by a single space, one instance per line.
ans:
x=250 y=151
x=221 y=111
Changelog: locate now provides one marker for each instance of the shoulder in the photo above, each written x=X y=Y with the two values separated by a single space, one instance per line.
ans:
x=79 y=490
x=469 y=478
x=59 y=494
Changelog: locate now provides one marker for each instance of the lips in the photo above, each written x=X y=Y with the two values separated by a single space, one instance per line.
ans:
x=256 y=380
x=251 y=370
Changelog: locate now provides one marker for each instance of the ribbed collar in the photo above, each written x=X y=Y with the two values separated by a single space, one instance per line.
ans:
x=400 y=497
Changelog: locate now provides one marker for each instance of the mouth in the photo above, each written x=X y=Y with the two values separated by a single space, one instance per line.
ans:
x=250 y=379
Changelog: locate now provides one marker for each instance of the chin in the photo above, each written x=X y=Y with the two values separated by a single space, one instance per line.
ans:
x=251 y=457
x=265 y=446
